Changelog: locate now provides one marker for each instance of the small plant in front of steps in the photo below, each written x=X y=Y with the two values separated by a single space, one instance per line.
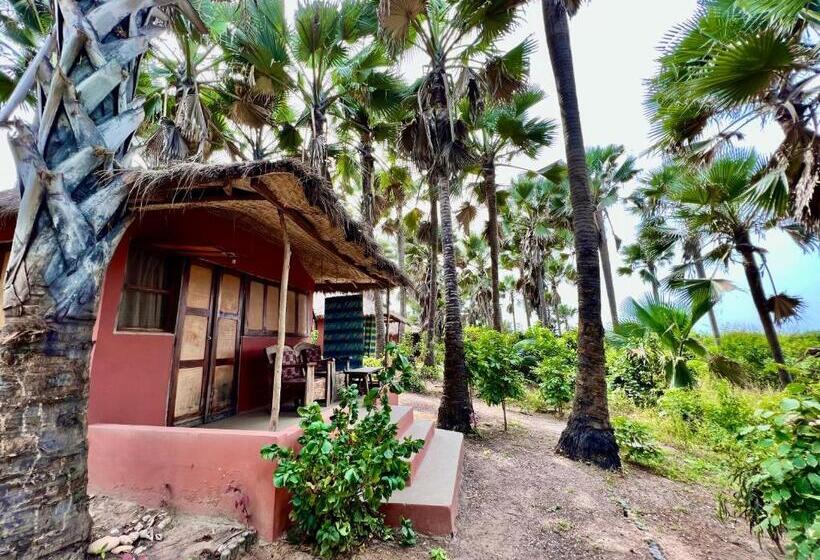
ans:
x=438 y=554
x=407 y=535
x=346 y=467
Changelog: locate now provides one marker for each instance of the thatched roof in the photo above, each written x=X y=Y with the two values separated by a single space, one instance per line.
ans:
x=334 y=249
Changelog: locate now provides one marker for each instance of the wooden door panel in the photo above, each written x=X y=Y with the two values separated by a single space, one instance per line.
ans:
x=188 y=393
x=200 y=282
x=225 y=347
x=194 y=338
x=222 y=393
x=226 y=339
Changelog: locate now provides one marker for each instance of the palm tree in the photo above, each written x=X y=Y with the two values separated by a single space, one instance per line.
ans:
x=644 y=258
x=674 y=326
x=659 y=233
x=588 y=435
x=456 y=38
x=606 y=175
x=715 y=201
x=740 y=61
x=475 y=285
x=503 y=130
x=24 y=26
x=86 y=118
x=302 y=58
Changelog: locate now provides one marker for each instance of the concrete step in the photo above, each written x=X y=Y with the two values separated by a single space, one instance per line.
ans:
x=402 y=416
x=431 y=502
x=420 y=429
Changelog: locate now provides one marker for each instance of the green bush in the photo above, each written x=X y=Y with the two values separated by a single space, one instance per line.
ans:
x=638 y=371
x=346 y=467
x=494 y=366
x=557 y=386
x=635 y=442
x=540 y=345
x=778 y=483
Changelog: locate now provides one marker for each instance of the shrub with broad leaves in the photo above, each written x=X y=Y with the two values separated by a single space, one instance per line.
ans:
x=778 y=477
x=636 y=442
x=347 y=467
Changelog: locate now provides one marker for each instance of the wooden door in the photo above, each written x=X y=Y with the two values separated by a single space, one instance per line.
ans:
x=225 y=345
x=193 y=345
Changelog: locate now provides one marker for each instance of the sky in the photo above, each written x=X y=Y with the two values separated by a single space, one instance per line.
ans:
x=615 y=47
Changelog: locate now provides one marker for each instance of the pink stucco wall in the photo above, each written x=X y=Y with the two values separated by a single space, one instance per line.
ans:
x=131 y=372
x=193 y=469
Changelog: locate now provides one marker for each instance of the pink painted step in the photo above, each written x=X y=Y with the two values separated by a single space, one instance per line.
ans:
x=431 y=501
x=420 y=429
x=402 y=416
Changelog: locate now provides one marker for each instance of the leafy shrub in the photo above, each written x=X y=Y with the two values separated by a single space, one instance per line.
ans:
x=540 y=345
x=494 y=366
x=438 y=554
x=407 y=535
x=778 y=483
x=636 y=442
x=638 y=371
x=346 y=468
x=557 y=386
x=372 y=361
x=682 y=404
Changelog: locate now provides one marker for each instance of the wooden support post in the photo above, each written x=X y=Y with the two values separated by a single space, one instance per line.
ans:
x=280 y=335
x=331 y=375
x=310 y=378
x=386 y=327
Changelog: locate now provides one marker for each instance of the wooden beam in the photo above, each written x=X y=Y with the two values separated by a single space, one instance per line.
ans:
x=280 y=335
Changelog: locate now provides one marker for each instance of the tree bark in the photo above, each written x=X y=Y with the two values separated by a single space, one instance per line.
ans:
x=281 y=329
x=70 y=220
x=400 y=254
x=606 y=266
x=512 y=310
x=368 y=212
x=456 y=409
x=432 y=292
x=752 y=271
x=488 y=173
x=588 y=435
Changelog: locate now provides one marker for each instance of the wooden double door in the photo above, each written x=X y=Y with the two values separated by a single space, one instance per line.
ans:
x=206 y=360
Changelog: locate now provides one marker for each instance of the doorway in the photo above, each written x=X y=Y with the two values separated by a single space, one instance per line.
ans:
x=203 y=385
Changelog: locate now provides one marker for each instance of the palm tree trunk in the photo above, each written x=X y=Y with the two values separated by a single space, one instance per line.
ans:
x=606 y=266
x=432 y=292
x=752 y=271
x=488 y=173
x=588 y=435
x=655 y=287
x=512 y=309
x=456 y=409
x=400 y=253
x=368 y=213
x=318 y=143
x=701 y=270
x=68 y=226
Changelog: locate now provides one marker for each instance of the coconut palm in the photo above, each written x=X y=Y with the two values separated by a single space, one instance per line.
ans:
x=476 y=288
x=87 y=115
x=457 y=39
x=674 y=326
x=715 y=201
x=588 y=435
x=502 y=130
x=608 y=172
x=740 y=61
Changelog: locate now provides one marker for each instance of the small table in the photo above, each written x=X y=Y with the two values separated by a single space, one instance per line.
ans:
x=360 y=376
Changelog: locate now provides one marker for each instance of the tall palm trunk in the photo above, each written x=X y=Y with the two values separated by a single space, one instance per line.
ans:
x=694 y=249
x=456 y=409
x=368 y=211
x=318 y=142
x=606 y=267
x=588 y=435
x=655 y=285
x=400 y=254
x=432 y=291
x=70 y=220
x=752 y=271
x=488 y=174
x=512 y=309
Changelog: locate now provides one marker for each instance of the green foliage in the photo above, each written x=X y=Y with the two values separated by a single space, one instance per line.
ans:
x=638 y=371
x=372 y=361
x=493 y=365
x=407 y=535
x=347 y=467
x=636 y=442
x=557 y=386
x=540 y=346
x=438 y=554
x=778 y=483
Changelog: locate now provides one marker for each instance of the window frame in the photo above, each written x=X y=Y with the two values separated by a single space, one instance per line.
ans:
x=265 y=331
x=170 y=294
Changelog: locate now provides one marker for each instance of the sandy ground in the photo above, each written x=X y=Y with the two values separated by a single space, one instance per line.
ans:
x=521 y=501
